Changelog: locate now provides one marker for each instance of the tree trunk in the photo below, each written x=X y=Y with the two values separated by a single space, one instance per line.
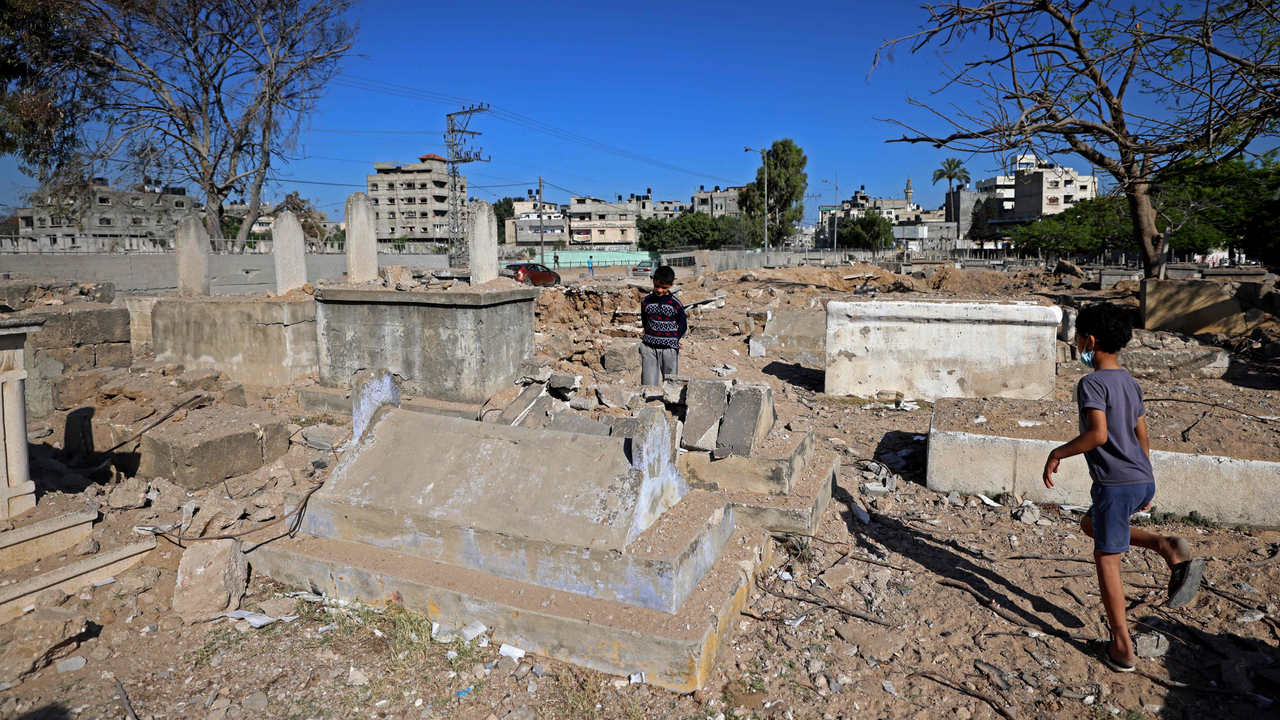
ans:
x=1143 y=215
x=213 y=216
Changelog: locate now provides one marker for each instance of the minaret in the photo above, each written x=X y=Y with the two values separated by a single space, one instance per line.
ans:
x=909 y=191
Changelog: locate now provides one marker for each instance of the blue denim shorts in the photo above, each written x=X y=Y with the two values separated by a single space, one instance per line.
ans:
x=1113 y=505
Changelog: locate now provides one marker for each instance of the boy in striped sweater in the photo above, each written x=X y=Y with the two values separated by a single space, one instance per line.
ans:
x=664 y=321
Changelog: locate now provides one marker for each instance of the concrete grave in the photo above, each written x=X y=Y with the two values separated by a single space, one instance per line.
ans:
x=370 y=390
x=748 y=420
x=454 y=346
x=482 y=242
x=193 y=257
x=773 y=473
x=1191 y=307
x=268 y=342
x=289 y=247
x=793 y=335
x=44 y=539
x=971 y=462
x=932 y=349
x=362 y=240
x=559 y=510
x=17 y=491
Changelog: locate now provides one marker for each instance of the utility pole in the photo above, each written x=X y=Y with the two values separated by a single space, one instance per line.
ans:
x=764 y=155
x=542 y=233
x=835 y=229
x=454 y=140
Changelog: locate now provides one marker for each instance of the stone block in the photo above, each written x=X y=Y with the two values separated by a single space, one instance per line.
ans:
x=1176 y=363
x=192 y=250
x=539 y=415
x=1067 y=330
x=748 y=420
x=616 y=396
x=515 y=412
x=1191 y=307
x=575 y=423
x=706 y=400
x=459 y=347
x=264 y=343
x=793 y=335
x=932 y=349
x=362 y=240
x=72 y=389
x=113 y=355
x=622 y=356
x=92 y=326
x=213 y=444
x=288 y=248
x=211 y=580
x=73 y=359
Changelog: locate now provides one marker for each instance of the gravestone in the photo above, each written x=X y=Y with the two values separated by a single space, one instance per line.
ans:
x=362 y=240
x=193 y=257
x=289 y=249
x=17 y=491
x=482 y=243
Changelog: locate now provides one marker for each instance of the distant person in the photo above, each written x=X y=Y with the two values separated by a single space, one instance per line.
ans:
x=664 y=322
x=555 y=257
x=1113 y=440
x=590 y=267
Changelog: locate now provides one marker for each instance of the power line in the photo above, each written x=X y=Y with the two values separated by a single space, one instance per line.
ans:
x=516 y=119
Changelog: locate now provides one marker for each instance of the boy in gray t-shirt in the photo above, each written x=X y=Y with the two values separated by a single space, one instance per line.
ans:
x=1113 y=440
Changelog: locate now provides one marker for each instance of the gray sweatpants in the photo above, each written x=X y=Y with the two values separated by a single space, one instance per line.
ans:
x=657 y=363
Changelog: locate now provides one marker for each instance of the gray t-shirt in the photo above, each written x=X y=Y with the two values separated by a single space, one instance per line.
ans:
x=1121 y=460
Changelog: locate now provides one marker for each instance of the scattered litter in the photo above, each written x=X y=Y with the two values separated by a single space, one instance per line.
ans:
x=1030 y=423
x=980 y=419
x=104 y=581
x=463 y=692
x=988 y=501
x=257 y=620
x=784 y=575
x=1073 y=508
x=795 y=622
x=326 y=628
x=888 y=687
x=637 y=678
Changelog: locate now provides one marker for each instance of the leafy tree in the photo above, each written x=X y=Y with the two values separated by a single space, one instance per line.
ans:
x=692 y=230
x=872 y=231
x=502 y=210
x=307 y=215
x=1133 y=88
x=1089 y=226
x=784 y=165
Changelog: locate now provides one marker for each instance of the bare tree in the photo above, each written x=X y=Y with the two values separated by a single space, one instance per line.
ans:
x=211 y=92
x=1133 y=89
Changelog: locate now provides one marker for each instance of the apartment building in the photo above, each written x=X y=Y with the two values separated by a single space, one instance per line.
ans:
x=717 y=202
x=411 y=200
x=1043 y=188
x=526 y=228
x=599 y=222
x=106 y=216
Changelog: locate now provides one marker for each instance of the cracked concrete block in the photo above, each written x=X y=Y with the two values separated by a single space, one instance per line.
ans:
x=193 y=252
x=706 y=400
x=516 y=411
x=615 y=396
x=213 y=444
x=211 y=580
x=622 y=356
x=575 y=423
x=748 y=420
x=263 y=343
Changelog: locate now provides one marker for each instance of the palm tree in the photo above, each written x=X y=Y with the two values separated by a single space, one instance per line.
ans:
x=952 y=170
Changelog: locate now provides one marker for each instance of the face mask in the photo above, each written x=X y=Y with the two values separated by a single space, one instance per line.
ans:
x=1086 y=357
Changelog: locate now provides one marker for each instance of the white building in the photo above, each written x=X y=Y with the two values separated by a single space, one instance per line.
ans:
x=411 y=200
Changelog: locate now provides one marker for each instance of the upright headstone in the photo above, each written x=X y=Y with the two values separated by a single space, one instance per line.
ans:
x=193 y=257
x=362 y=240
x=289 y=247
x=482 y=243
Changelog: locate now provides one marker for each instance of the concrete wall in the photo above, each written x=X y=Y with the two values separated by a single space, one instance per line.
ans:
x=267 y=343
x=928 y=350
x=1226 y=489
x=455 y=346
x=158 y=272
x=1191 y=307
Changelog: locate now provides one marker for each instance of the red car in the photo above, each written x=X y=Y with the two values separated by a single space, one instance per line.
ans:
x=533 y=274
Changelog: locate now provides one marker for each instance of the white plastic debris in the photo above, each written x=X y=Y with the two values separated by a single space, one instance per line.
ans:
x=1073 y=508
x=988 y=501
x=472 y=631
x=511 y=651
x=795 y=622
x=257 y=620
x=104 y=581
x=637 y=678
x=1030 y=423
x=784 y=575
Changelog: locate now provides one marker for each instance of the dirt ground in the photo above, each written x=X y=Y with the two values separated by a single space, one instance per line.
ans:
x=929 y=609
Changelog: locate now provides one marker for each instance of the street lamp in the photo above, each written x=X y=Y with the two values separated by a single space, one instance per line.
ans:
x=764 y=156
x=835 y=234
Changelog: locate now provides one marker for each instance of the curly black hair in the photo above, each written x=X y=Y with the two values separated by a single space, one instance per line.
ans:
x=1109 y=324
x=664 y=275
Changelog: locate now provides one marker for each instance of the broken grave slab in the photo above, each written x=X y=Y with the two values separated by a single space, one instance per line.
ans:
x=213 y=444
x=748 y=420
x=799 y=511
x=677 y=651
x=772 y=474
x=596 y=516
x=706 y=400
x=798 y=336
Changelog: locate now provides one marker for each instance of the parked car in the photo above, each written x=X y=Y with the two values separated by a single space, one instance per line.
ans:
x=533 y=274
x=644 y=268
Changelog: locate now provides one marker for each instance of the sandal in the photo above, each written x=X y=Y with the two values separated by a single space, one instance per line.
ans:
x=1103 y=648
x=1184 y=582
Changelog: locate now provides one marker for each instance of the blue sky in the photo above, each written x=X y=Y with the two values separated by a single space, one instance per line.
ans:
x=686 y=84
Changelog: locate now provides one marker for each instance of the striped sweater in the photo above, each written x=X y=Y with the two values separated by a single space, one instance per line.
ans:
x=664 y=321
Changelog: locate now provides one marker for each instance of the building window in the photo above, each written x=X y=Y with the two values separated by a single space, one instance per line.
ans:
x=137 y=221
x=409 y=214
x=407 y=186
x=390 y=215
x=179 y=203
x=623 y=216
x=408 y=200
x=137 y=202
x=373 y=186
x=102 y=200
x=1069 y=199
x=40 y=222
x=105 y=222
x=374 y=201
x=391 y=201
x=55 y=221
x=377 y=215
x=1053 y=183
x=599 y=232
x=1053 y=199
